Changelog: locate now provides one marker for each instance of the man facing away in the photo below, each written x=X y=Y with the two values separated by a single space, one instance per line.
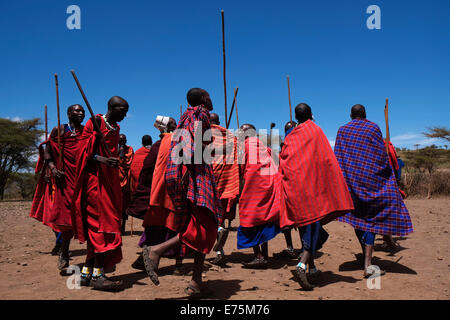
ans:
x=191 y=186
x=379 y=207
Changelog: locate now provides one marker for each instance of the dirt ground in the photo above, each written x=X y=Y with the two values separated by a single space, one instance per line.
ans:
x=420 y=270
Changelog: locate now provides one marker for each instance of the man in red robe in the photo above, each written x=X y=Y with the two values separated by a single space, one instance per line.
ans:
x=313 y=188
x=138 y=160
x=226 y=171
x=191 y=185
x=126 y=155
x=259 y=203
x=60 y=159
x=97 y=200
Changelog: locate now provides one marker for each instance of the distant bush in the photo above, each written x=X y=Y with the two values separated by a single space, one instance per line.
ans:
x=416 y=183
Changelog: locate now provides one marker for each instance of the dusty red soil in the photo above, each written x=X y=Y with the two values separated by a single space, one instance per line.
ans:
x=420 y=270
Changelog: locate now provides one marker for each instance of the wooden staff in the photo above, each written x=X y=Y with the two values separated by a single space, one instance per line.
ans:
x=237 y=116
x=386 y=118
x=46 y=123
x=59 y=123
x=94 y=122
x=224 y=76
x=232 y=108
x=289 y=94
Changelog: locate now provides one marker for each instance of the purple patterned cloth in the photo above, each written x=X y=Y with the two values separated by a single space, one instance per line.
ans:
x=199 y=186
x=362 y=156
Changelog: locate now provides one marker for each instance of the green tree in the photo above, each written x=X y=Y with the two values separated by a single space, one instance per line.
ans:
x=18 y=146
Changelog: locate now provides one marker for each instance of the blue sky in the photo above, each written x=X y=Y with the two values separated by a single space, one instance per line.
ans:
x=152 y=52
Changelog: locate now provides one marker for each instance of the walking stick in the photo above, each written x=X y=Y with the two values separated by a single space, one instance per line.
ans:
x=59 y=123
x=289 y=94
x=46 y=124
x=94 y=122
x=386 y=118
x=224 y=75
x=232 y=108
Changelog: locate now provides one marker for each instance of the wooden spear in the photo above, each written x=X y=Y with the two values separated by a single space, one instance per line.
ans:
x=94 y=122
x=289 y=94
x=46 y=123
x=227 y=122
x=386 y=118
x=224 y=74
x=59 y=123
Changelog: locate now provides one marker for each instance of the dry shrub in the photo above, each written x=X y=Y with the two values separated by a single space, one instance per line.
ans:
x=416 y=183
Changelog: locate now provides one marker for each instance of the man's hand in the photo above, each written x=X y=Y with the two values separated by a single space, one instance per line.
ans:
x=110 y=162
x=58 y=174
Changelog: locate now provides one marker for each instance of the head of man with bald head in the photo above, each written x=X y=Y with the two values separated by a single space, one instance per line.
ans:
x=198 y=96
x=117 y=109
x=214 y=119
x=303 y=112
x=248 y=130
x=358 y=112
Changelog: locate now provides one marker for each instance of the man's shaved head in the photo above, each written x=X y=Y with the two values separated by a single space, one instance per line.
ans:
x=303 y=112
x=214 y=118
x=171 y=125
x=117 y=101
x=198 y=96
x=358 y=111
x=117 y=109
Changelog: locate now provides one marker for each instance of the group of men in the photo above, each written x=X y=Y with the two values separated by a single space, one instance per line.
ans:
x=91 y=181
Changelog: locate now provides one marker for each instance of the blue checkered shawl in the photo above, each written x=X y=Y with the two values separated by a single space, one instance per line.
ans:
x=363 y=159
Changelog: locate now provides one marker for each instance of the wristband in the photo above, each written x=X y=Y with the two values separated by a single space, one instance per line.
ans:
x=95 y=157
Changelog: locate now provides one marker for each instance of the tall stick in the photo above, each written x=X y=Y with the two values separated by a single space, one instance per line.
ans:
x=59 y=122
x=94 y=122
x=227 y=121
x=224 y=74
x=386 y=118
x=289 y=94
x=237 y=116
x=46 y=123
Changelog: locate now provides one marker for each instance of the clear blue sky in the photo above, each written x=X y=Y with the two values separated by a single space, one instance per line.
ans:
x=152 y=52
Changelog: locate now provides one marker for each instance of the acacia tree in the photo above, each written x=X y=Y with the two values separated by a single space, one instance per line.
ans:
x=427 y=159
x=438 y=132
x=18 y=146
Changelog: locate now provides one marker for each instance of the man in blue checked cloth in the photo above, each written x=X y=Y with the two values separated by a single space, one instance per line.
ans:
x=379 y=207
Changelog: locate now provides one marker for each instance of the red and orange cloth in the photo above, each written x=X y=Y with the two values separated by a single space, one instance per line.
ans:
x=97 y=208
x=313 y=187
x=226 y=168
